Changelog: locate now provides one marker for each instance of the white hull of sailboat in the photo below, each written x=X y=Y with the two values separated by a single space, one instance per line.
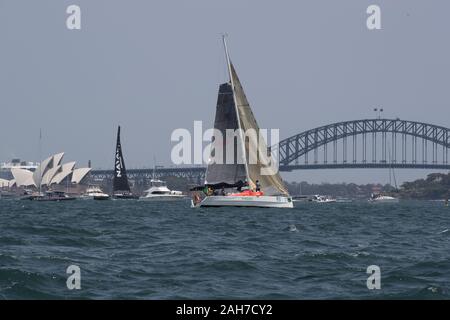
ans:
x=247 y=201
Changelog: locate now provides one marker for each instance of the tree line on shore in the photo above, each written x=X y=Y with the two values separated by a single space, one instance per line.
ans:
x=435 y=186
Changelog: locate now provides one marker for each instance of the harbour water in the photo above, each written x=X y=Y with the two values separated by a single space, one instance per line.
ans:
x=143 y=250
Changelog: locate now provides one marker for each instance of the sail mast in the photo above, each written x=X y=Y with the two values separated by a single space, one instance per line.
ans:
x=154 y=167
x=40 y=161
x=236 y=107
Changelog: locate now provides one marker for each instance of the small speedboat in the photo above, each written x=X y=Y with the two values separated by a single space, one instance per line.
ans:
x=159 y=191
x=322 y=199
x=379 y=198
x=95 y=193
x=49 y=196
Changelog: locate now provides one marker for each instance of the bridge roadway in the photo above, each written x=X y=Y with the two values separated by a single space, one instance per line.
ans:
x=197 y=174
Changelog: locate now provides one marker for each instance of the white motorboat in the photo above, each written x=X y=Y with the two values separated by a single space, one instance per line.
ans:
x=264 y=187
x=159 y=191
x=95 y=193
x=322 y=199
x=379 y=198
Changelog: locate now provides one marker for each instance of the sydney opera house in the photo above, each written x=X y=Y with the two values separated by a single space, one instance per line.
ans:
x=50 y=173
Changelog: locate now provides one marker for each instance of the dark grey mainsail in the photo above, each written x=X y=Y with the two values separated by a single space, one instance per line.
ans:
x=221 y=172
x=120 y=180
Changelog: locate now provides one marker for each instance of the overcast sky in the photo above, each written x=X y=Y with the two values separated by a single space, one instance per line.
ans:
x=154 y=66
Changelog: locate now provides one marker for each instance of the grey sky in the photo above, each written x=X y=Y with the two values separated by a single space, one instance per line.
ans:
x=153 y=66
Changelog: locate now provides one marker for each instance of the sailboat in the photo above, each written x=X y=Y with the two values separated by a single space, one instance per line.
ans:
x=121 y=187
x=384 y=198
x=233 y=112
x=48 y=195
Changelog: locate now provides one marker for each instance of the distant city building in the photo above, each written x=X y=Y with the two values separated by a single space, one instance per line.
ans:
x=5 y=167
x=17 y=163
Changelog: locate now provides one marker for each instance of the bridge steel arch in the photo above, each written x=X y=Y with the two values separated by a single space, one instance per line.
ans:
x=292 y=148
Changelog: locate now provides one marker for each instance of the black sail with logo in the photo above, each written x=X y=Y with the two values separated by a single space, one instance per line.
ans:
x=120 y=181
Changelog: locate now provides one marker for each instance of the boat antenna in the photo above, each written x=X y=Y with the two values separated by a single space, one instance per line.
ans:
x=391 y=169
x=224 y=36
x=40 y=160
x=395 y=179
x=154 y=167
x=227 y=56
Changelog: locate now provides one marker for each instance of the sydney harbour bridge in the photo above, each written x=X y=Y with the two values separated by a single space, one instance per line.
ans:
x=369 y=143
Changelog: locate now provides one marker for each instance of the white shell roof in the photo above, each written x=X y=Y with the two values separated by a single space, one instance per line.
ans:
x=48 y=176
x=79 y=174
x=45 y=166
x=66 y=170
x=23 y=177
x=57 y=159
x=49 y=172
x=41 y=170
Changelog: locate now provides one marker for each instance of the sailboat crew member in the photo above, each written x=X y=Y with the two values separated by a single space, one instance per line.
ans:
x=258 y=186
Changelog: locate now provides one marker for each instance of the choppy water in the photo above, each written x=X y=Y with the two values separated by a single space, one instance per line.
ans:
x=130 y=249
